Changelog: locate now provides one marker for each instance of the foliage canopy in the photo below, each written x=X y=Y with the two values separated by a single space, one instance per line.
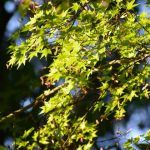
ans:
x=94 y=50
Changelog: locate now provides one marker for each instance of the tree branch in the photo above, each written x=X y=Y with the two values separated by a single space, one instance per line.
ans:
x=34 y=103
x=79 y=11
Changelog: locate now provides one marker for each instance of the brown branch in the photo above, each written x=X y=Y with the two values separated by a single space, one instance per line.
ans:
x=79 y=11
x=34 y=103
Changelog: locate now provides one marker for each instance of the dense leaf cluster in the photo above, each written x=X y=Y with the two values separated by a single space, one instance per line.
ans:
x=99 y=50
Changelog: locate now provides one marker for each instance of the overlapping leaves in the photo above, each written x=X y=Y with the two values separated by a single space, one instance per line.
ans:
x=86 y=41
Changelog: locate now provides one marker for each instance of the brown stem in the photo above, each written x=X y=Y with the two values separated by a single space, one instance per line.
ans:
x=34 y=103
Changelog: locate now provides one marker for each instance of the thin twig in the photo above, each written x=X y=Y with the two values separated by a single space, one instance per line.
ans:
x=114 y=138
x=78 y=124
x=79 y=11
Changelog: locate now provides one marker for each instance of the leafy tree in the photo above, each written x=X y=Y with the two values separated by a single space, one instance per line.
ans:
x=96 y=55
